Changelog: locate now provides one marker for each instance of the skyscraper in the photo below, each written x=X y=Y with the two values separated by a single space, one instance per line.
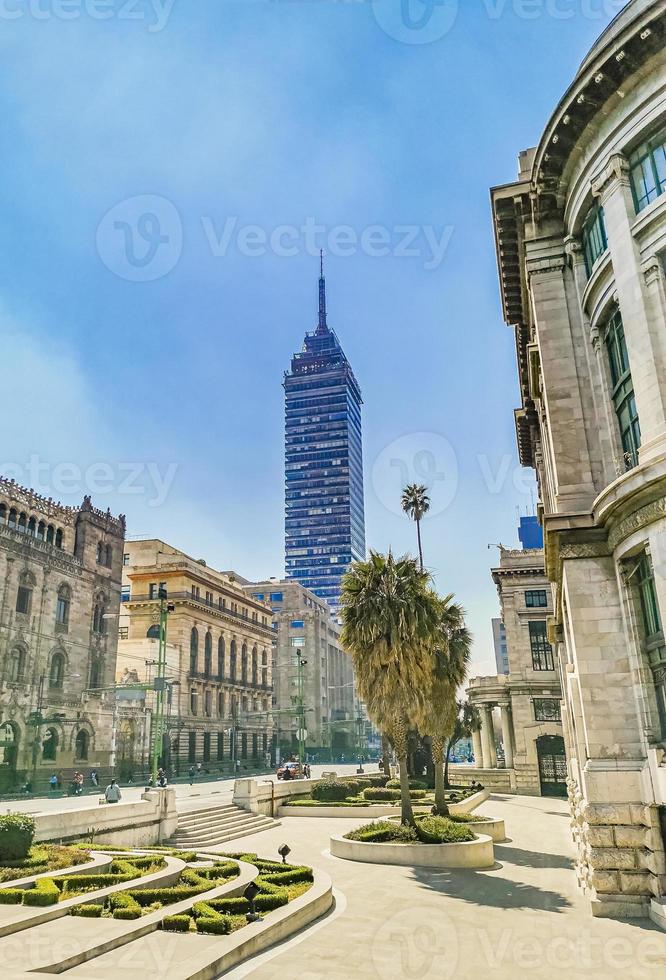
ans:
x=324 y=519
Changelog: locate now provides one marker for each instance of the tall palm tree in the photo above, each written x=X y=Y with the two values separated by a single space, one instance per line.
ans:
x=390 y=618
x=416 y=503
x=449 y=664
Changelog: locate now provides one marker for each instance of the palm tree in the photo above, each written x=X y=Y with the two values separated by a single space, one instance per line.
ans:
x=468 y=720
x=390 y=617
x=449 y=665
x=416 y=503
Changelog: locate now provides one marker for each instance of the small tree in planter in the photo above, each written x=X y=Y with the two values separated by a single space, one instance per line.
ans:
x=17 y=832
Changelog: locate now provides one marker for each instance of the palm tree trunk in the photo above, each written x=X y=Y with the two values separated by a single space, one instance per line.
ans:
x=418 y=538
x=400 y=745
x=447 y=784
x=386 y=756
x=440 y=781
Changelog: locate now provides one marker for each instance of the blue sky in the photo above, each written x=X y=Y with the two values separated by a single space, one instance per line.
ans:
x=143 y=361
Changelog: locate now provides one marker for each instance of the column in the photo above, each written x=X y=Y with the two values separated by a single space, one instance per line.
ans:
x=476 y=745
x=491 y=738
x=643 y=321
x=507 y=735
x=487 y=737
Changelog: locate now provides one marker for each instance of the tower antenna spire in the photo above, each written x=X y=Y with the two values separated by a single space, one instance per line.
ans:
x=322 y=326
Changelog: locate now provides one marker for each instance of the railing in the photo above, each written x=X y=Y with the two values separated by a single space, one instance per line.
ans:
x=206 y=603
x=201 y=675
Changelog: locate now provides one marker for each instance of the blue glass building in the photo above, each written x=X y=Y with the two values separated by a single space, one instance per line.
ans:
x=324 y=517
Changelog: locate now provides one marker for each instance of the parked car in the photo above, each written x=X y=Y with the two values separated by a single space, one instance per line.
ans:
x=294 y=770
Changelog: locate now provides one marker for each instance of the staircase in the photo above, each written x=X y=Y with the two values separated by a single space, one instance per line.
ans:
x=216 y=825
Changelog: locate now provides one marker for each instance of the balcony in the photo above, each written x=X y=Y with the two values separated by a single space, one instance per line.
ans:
x=204 y=603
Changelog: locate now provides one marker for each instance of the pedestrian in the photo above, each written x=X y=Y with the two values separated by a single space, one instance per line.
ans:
x=161 y=778
x=59 y=778
x=192 y=773
x=198 y=768
x=53 y=782
x=112 y=792
x=93 y=777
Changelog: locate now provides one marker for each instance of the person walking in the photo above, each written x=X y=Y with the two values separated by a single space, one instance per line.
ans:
x=161 y=778
x=192 y=773
x=93 y=777
x=112 y=792
x=53 y=782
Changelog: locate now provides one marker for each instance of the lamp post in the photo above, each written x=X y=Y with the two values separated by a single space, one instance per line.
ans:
x=302 y=732
x=160 y=685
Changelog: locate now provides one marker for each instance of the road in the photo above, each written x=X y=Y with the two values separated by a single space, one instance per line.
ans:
x=205 y=792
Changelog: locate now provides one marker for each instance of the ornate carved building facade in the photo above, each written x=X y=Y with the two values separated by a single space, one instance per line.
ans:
x=581 y=242
x=60 y=571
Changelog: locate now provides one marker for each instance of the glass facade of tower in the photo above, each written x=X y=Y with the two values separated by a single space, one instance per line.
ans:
x=324 y=518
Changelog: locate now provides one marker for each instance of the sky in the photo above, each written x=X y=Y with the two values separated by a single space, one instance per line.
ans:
x=169 y=170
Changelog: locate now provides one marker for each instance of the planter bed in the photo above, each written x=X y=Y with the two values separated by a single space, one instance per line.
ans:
x=477 y=853
x=43 y=859
x=492 y=826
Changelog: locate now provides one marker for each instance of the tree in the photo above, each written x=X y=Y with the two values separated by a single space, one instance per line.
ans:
x=438 y=717
x=467 y=720
x=390 y=617
x=416 y=503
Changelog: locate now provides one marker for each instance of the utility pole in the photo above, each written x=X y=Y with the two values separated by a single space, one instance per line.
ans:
x=300 y=704
x=160 y=685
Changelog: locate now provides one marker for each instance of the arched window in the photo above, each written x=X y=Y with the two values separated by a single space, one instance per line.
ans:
x=108 y=555
x=232 y=661
x=24 y=593
x=99 y=623
x=12 y=517
x=58 y=538
x=81 y=744
x=194 y=701
x=50 y=534
x=50 y=744
x=100 y=546
x=153 y=632
x=22 y=525
x=62 y=606
x=194 y=651
x=95 y=673
x=208 y=703
x=32 y=526
x=220 y=657
x=208 y=654
x=16 y=666
x=264 y=676
x=57 y=670
x=220 y=703
x=3 y=513
x=244 y=664
x=255 y=662
x=264 y=658
x=41 y=530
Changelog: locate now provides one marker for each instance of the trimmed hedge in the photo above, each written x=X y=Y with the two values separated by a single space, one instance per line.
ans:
x=45 y=892
x=128 y=913
x=413 y=784
x=17 y=832
x=88 y=911
x=176 y=923
x=218 y=926
x=11 y=896
x=381 y=794
x=336 y=789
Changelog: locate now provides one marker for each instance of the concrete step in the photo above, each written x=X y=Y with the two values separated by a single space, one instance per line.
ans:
x=216 y=825
x=210 y=834
x=199 y=820
x=219 y=826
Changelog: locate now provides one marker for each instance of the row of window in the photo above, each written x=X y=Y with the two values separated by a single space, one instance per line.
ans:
x=104 y=554
x=36 y=528
x=542 y=652
x=23 y=605
x=225 y=747
x=654 y=645
x=16 y=672
x=536 y=598
x=245 y=661
x=51 y=740
x=647 y=169
x=256 y=707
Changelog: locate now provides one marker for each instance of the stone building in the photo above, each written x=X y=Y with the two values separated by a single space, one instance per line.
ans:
x=581 y=244
x=218 y=658
x=304 y=626
x=528 y=695
x=60 y=571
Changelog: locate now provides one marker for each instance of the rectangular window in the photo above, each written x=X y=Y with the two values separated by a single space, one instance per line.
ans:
x=23 y=600
x=123 y=632
x=126 y=559
x=206 y=747
x=125 y=593
x=654 y=645
x=648 y=171
x=297 y=624
x=547 y=709
x=536 y=599
x=192 y=747
x=62 y=611
x=595 y=241
x=622 y=394
x=259 y=596
x=275 y=597
x=220 y=746
x=152 y=590
x=542 y=652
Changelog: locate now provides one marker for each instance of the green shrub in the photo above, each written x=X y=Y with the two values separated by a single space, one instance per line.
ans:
x=123 y=900
x=45 y=892
x=382 y=794
x=377 y=779
x=291 y=876
x=417 y=794
x=11 y=896
x=413 y=784
x=382 y=831
x=331 y=790
x=165 y=896
x=176 y=923
x=128 y=913
x=431 y=830
x=440 y=830
x=218 y=926
x=229 y=906
x=17 y=832
x=89 y=911
x=273 y=900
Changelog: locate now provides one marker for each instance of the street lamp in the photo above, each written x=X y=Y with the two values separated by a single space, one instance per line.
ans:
x=160 y=684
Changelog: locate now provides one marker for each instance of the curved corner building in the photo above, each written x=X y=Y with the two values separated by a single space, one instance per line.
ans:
x=581 y=244
x=324 y=515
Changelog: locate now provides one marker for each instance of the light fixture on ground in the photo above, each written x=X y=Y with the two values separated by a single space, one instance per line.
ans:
x=283 y=851
x=250 y=893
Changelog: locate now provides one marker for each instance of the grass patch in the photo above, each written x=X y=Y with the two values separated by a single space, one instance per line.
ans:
x=431 y=830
